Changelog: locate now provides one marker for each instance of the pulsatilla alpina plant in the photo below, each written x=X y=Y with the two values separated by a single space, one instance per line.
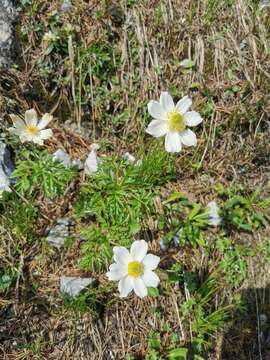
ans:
x=31 y=129
x=184 y=221
x=244 y=210
x=134 y=269
x=173 y=121
x=120 y=193
x=38 y=171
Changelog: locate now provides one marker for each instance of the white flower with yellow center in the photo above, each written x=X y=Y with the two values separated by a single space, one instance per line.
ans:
x=134 y=269
x=31 y=129
x=173 y=122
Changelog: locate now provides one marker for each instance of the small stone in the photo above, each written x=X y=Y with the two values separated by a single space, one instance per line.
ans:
x=58 y=234
x=73 y=286
x=6 y=159
x=264 y=3
x=8 y=46
x=263 y=319
x=163 y=246
x=243 y=44
x=176 y=239
x=66 y=6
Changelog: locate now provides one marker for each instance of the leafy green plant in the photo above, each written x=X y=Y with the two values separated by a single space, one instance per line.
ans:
x=37 y=171
x=186 y=221
x=242 y=210
x=233 y=261
x=120 y=194
x=92 y=299
x=178 y=354
x=204 y=315
x=119 y=197
x=96 y=248
x=7 y=278
x=20 y=216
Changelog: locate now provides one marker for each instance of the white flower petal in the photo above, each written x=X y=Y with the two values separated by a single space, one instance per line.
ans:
x=188 y=138
x=172 y=142
x=150 y=279
x=138 y=250
x=31 y=117
x=213 y=209
x=94 y=147
x=35 y=139
x=15 y=131
x=129 y=157
x=45 y=134
x=117 y=272
x=91 y=163
x=192 y=118
x=166 y=101
x=157 y=128
x=121 y=255
x=184 y=104
x=151 y=261
x=46 y=118
x=24 y=137
x=62 y=156
x=140 y=288
x=125 y=286
x=156 y=110
x=18 y=122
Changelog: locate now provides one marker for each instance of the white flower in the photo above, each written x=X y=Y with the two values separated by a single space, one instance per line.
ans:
x=4 y=182
x=62 y=156
x=213 y=213
x=31 y=129
x=129 y=157
x=91 y=163
x=134 y=269
x=172 y=121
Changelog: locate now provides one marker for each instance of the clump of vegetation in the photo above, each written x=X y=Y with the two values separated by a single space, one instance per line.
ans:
x=37 y=172
x=119 y=197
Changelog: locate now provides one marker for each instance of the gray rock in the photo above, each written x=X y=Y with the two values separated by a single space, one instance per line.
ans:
x=242 y=44
x=177 y=237
x=163 y=245
x=58 y=234
x=73 y=286
x=66 y=6
x=6 y=158
x=8 y=42
x=264 y=3
x=263 y=319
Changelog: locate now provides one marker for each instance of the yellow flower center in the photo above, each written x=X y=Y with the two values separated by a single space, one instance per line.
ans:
x=32 y=130
x=135 y=269
x=176 y=121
